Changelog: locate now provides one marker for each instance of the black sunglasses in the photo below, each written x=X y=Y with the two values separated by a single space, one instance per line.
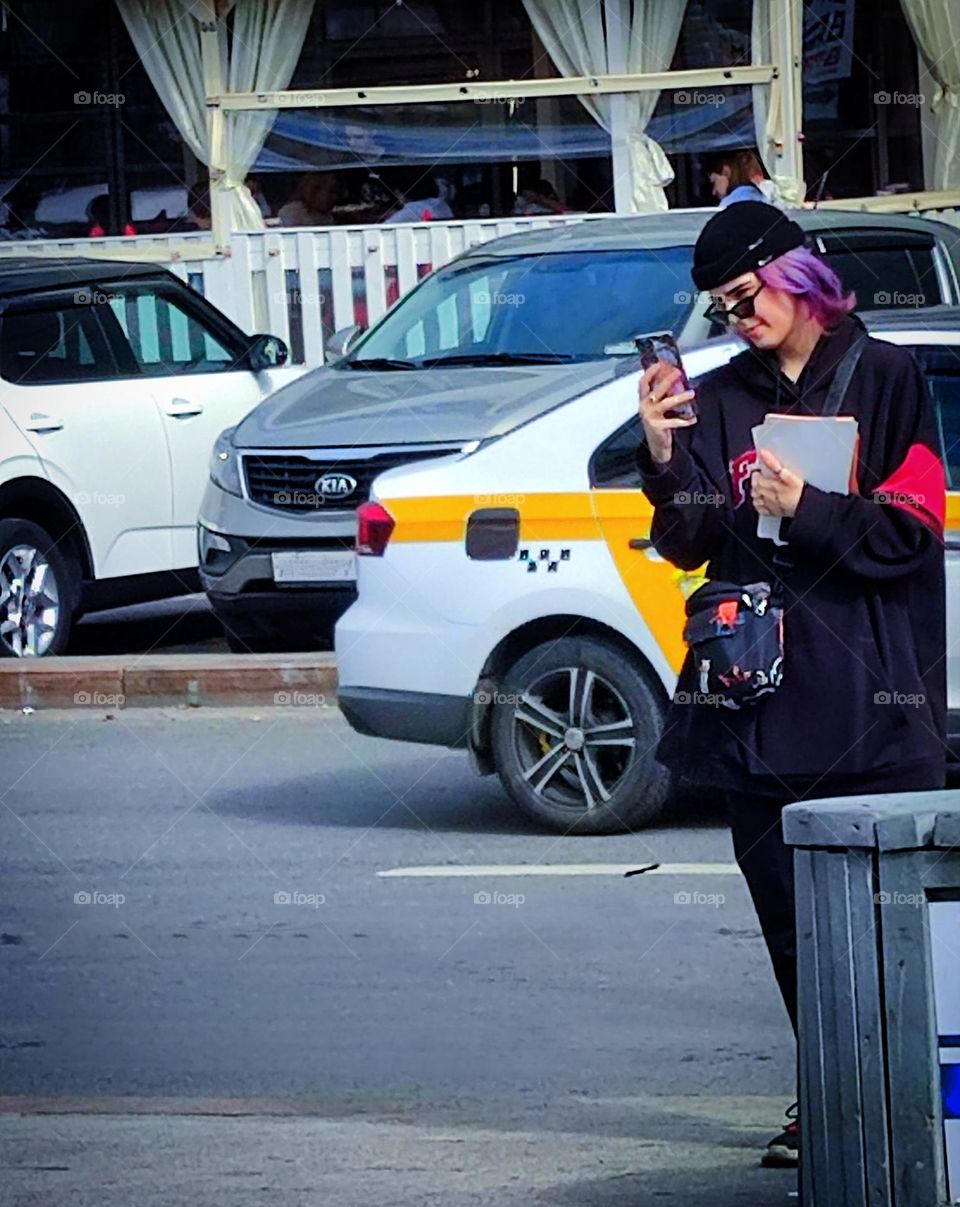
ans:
x=743 y=309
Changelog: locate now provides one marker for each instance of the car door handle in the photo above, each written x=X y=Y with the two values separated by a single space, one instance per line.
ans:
x=952 y=540
x=182 y=408
x=641 y=542
x=39 y=422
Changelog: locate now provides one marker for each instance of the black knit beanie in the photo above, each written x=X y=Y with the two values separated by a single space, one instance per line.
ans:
x=742 y=238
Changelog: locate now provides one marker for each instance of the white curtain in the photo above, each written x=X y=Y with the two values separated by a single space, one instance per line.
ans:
x=935 y=25
x=765 y=117
x=767 y=114
x=259 y=55
x=613 y=37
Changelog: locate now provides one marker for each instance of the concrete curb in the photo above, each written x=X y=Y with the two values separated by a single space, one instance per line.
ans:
x=163 y=679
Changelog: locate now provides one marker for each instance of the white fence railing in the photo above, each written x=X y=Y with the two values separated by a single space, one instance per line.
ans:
x=302 y=284
x=305 y=284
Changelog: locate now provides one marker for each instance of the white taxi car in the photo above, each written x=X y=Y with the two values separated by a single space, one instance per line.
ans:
x=510 y=602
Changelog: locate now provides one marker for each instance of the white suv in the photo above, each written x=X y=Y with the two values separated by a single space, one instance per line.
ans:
x=115 y=380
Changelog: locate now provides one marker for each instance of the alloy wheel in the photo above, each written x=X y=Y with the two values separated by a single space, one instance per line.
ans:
x=573 y=737
x=29 y=602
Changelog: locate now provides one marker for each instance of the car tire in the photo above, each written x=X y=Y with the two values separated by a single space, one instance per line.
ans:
x=39 y=592
x=602 y=783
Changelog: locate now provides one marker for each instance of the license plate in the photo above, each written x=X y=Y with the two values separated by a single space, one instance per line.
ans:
x=314 y=566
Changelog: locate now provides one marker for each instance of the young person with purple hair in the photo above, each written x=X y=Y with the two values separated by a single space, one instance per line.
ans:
x=861 y=574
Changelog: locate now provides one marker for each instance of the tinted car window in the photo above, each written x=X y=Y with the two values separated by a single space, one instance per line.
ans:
x=894 y=270
x=53 y=344
x=941 y=368
x=614 y=464
x=165 y=337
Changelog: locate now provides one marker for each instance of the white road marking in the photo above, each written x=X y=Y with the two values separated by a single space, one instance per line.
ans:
x=566 y=869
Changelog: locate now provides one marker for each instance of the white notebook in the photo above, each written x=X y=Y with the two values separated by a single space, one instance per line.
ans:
x=821 y=449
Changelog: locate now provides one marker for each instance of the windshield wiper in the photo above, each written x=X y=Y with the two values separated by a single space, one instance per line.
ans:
x=378 y=364
x=500 y=358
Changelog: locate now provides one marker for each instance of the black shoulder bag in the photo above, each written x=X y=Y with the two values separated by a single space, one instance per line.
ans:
x=735 y=633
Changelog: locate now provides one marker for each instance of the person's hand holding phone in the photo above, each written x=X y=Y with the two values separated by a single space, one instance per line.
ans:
x=656 y=401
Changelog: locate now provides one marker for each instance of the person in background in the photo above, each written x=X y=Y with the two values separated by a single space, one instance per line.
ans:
x=197 y=217
x=541 y=198
x=312 y=202
x=98 y=215
x=22 y=202
x=259 y=197
x=426 y=200
x=739 y=176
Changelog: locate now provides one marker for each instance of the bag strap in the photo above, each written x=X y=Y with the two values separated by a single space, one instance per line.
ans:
x=841 y=377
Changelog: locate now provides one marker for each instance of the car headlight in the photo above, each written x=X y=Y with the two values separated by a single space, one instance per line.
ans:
x=225 y=464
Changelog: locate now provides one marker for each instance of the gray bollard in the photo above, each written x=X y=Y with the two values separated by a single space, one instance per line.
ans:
x=878 y=964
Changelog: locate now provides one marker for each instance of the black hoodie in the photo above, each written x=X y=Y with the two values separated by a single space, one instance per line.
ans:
x=863 y=694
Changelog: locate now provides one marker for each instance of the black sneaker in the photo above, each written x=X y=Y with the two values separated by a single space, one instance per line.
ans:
x=783 y=1151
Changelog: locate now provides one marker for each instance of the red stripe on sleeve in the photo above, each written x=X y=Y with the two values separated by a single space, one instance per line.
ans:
x=919 y=486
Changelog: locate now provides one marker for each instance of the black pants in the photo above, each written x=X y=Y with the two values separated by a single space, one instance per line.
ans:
x=767 y=862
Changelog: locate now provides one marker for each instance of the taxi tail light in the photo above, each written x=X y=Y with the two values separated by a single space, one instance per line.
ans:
x=374 y=526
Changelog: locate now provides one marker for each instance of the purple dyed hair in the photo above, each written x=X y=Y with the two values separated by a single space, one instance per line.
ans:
x=801 y=272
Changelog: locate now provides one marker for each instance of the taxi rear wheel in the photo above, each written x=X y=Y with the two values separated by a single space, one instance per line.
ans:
x=574 y=725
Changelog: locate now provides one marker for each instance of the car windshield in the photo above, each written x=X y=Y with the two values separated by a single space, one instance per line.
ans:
x=551 y=309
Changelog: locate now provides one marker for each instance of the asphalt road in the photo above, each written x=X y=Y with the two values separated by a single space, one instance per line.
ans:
x=195 y=924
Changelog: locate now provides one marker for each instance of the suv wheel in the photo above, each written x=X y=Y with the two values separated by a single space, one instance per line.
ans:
x=573 y=731
x=37 y=589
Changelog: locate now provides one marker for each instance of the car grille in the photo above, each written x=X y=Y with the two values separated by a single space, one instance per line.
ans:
x=290 y=483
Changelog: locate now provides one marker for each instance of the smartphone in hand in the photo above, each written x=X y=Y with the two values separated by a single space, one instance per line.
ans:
x=661 y=345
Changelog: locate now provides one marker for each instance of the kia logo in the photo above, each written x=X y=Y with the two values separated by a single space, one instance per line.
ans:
x=335 y=486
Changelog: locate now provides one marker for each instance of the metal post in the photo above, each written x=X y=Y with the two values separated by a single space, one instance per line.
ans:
x=876 y=876
x=212 y=33
x=786 y=44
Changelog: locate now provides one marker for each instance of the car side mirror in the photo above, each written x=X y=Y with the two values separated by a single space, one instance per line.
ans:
x=266 y=352
x=340 y=343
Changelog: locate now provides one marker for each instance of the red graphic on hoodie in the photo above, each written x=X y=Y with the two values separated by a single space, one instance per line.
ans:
x=741 y=468
x=918 y=486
